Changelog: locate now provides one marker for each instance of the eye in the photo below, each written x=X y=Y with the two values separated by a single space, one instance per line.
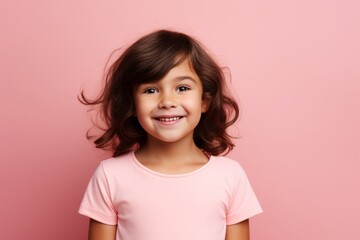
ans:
x=183 y=88
x=150 y=90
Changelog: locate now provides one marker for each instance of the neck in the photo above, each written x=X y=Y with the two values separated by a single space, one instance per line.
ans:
x=176 y=151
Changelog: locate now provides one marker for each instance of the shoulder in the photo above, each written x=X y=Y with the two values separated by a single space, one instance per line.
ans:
x=115 y=165
x=116 y=161
x=226 y=162
x=229 y=167
x=115 y=171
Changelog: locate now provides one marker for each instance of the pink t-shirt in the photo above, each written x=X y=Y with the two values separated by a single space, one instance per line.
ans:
x=147 y=205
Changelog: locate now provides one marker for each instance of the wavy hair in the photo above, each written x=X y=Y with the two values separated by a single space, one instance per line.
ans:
x=148 y=60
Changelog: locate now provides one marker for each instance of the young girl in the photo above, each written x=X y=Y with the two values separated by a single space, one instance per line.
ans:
x=166 y=111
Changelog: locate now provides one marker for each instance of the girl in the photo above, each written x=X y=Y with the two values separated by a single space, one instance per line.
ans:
x=166 y=111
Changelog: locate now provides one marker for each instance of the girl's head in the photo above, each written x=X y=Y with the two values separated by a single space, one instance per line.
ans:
x=148 y=60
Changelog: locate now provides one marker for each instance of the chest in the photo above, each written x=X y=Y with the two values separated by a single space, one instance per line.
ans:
x=172 y=200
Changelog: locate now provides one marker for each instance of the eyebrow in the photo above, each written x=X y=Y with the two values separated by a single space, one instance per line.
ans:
x=180 y=78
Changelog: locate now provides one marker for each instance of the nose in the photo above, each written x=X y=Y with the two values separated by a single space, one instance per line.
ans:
x=167 y=100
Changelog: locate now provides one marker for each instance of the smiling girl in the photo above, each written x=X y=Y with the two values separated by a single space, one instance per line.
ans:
x=166 y=113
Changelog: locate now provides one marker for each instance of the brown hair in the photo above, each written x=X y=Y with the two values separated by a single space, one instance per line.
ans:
x=148 y=60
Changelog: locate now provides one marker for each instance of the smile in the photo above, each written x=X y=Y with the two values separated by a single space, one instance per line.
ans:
x=168 y=119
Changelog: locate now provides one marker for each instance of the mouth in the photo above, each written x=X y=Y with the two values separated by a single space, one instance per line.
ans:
x=168 y=119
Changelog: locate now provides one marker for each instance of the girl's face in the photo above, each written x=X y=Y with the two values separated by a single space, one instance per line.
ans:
x=170 y=109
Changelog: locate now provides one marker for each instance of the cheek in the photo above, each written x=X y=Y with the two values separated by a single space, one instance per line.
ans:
x=138 y=103
x=139 y=109
x=194 y=105
x=143 y=108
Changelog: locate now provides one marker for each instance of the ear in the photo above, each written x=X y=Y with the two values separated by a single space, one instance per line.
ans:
x=206 y=100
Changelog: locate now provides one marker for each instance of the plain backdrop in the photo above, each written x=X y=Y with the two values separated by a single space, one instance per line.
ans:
x=295 y=70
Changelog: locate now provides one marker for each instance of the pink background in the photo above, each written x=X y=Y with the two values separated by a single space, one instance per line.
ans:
x=295 y=69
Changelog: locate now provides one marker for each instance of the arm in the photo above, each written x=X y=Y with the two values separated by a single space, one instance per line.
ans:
x=101 y=231
x=238 y=231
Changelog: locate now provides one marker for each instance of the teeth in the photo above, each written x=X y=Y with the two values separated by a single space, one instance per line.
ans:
x=169 y=119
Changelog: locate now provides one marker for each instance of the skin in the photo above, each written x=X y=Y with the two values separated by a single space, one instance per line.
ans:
x=169 y=110
x=100 y=231
x=239 y=231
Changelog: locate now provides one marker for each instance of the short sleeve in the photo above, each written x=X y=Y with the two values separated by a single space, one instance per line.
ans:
x=244 y=203
x=97 y=203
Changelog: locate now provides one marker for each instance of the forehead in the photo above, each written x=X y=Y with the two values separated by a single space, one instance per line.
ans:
x=179 y=68
x=181 y=71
